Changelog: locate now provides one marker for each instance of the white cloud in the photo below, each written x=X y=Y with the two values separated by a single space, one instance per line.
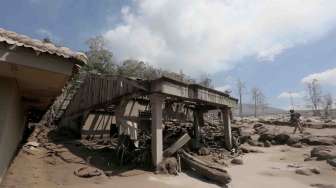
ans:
x=209 y=36
x=287 y=94
x=327 y=77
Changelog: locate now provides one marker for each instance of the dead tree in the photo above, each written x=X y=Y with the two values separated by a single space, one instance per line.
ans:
x=240 y=89
x=314 y=95
x=258 y=99
x=327 y=101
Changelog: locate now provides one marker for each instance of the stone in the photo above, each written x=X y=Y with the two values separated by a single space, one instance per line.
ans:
x=332 y=162
x=168 y=166
x=87 y=172
x=315 y=170
x=281 y=138
x=303 y=171
x=323 y=152
x=237 y=161
x=319 y=140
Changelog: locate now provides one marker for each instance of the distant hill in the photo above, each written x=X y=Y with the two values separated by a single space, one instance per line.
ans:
x=248 y=110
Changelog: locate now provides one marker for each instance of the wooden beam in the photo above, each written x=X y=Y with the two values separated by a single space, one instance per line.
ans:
x=177 y=145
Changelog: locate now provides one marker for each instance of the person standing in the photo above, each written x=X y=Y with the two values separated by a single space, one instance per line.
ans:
x=295 y=121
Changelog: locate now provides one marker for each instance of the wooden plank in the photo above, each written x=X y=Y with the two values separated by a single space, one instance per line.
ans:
x=177 y=145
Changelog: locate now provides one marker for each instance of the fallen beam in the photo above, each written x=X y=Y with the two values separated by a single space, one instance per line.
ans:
x=177 y=145
x=204 y=169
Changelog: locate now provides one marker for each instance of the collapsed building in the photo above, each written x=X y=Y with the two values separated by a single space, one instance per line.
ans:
x=133 y=105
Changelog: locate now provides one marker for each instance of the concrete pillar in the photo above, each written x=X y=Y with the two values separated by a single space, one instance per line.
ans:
x=226 y=116
x=156 y=128
x=198 y=121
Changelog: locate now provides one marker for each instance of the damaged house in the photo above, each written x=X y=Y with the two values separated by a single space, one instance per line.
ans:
x=32 y=75
x=132 y=106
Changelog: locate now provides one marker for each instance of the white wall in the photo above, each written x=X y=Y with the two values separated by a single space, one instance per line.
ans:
x=11 y=122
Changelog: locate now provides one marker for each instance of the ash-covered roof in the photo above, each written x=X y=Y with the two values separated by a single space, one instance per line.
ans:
x=13 y=38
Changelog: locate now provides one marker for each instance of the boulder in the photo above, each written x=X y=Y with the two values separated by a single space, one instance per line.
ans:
x=319 y=140
x=281 y=138
x=332 y=162
x=323 y=152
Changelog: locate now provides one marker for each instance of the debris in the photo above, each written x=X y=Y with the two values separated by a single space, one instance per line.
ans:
x=87 y=172
x=203 y=151
x=213 y=173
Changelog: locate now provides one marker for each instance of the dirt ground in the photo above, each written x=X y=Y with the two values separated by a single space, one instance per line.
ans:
x=275 y=167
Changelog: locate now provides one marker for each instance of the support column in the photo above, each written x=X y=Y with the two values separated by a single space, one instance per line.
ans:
x=156 y=128
x=198 y=122
x=226 y=116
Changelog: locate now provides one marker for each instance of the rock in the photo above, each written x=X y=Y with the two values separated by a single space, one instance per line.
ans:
x=319 y=140
x=332 y=162
x=319 y=185
x=281 y=138
x=168 y=166
x=266 y=137
x=293 y=139
x=323 y=152
x=237 y=161
x=303 y=171
x=203 y=151
x=87 y=172
x=315 y=170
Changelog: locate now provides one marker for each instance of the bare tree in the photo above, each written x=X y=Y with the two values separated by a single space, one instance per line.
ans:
x=257 y=99
x=240 y=89
x=327 y=102
x=314 y=95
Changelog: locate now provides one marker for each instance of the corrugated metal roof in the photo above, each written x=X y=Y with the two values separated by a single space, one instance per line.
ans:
x=13 y=38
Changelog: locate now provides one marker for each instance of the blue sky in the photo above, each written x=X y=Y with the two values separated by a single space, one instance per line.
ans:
x=270 y=46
